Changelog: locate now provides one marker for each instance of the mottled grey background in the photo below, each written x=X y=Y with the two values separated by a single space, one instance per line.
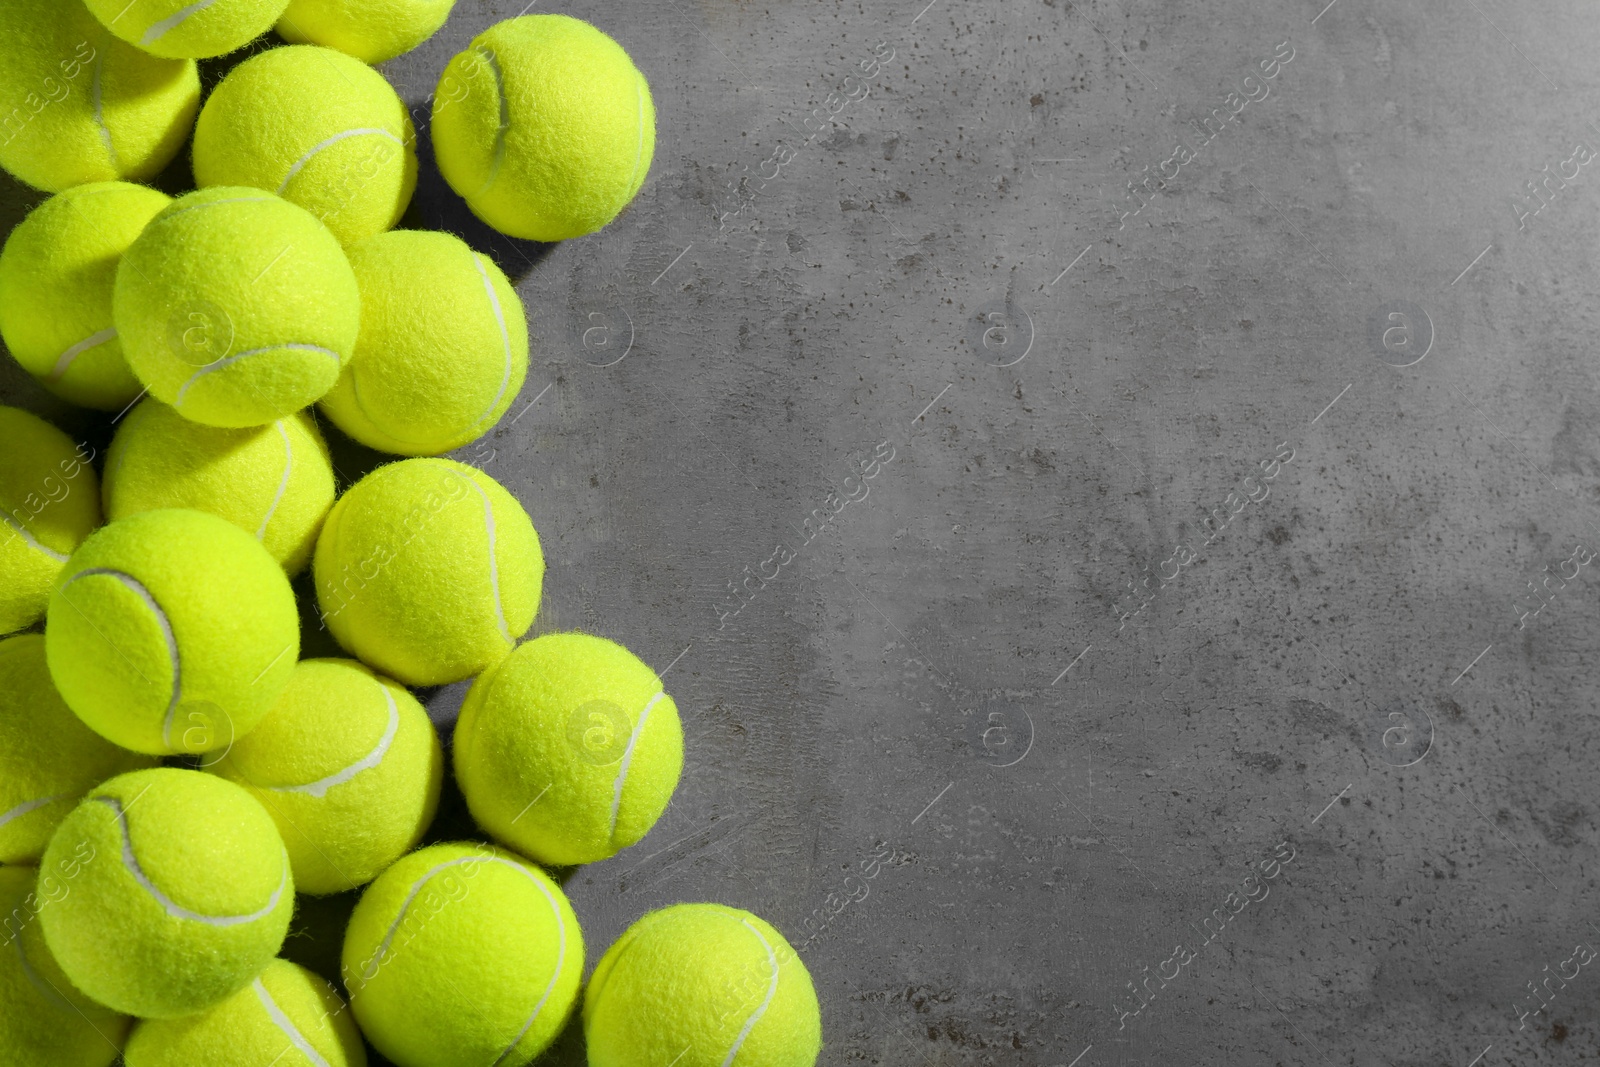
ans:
x=882 y=743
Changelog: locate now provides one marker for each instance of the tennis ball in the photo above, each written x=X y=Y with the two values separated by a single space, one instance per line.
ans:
x=274 y=482
x=568 y=750
x=56 y=274
x=701 y=985
x=180 y=892
x=48 y=758
x=544 y=126
x=317 y=128
x=236 y=307
x=462 y=953
x=443 y=346
x=49 y=501
x=171 y=631
x=370 y=30
x=81 y=106
x=349 y=767
x=287 y=1016
x=428 y=570
x=44 y=1020
x=180 y=29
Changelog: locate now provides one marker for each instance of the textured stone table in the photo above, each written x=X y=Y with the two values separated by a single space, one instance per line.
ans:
x=1113 y=484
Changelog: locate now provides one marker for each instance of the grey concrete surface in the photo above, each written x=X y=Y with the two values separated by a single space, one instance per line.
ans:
x=1003 y=742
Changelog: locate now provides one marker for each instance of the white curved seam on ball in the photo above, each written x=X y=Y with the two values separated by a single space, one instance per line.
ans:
x=172 y=907
x=46 y=989
x=505 y=338
x=29 y=806
x=494 y=565
x=555 y=974
x=376 y=959
x=64 y=360
x=96 y=97
x=160 y=29
x=499 y=156
x=138 y=589
x=22 y=532
x=772 y=990
x=174 y=211
x=321 y=786
x=284 y=1023
x=227 y=361
x=363 y=131
x=627 y=759
x=283 y=485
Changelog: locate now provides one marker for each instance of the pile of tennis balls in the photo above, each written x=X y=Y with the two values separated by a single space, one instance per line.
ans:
x=172 y=774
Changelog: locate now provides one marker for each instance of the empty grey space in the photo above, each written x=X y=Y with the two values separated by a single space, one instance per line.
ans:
x=1113 y=623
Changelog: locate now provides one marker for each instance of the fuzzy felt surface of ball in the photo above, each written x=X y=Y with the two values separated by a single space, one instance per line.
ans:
x=82 y=105
x=319 y=129
x=370 y=30
x=48 y=758
x=236 y=307
x=706 y=984
x=187 y=28
x=274 y=482
x=44 y=1020
x=57 y=271
x=179 y=892
x=286 y=1017
x=443 y=347
x=428 y=570
x=544 y=126
x=49 y=502
x=348 y=765
x=462 y=953
x=568 y=750
x=171 y=631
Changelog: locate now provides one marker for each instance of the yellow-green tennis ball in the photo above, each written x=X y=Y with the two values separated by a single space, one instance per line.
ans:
x=171 y=631
x=317 y=128
x=236 y=307
x=568 y=750
x=701 y=985
x=181 y=29
x=428 y=570
x=49 y=502
x=462 y=953
x=274 y=482
x=370 y=30
x=48 y=758
x=80 y=106
x=286 y=1017
x=348 y=765
x=544 y=127
x=44 y=1020
x=181 y=894
x=443 y=347
x=56 y=274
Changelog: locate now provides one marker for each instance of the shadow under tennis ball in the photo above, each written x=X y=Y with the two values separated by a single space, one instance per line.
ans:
x=435 y=206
